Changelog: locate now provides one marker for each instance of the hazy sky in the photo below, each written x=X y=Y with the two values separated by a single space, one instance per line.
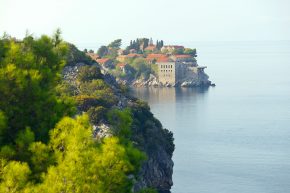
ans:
x=88 y=23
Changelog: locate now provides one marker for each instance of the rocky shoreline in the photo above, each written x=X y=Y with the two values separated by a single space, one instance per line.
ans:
x=152 y=81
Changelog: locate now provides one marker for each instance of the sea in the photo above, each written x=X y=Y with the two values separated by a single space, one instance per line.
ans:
x=235 y=137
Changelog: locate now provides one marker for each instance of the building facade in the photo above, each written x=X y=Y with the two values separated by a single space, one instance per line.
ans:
x=176 y=69
x=166 y=72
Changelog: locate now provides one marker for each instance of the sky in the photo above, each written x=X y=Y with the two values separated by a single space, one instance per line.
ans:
x=91 y=23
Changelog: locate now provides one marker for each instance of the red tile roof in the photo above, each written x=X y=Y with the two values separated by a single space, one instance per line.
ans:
x=163 y=59
x=134 y=55
x=121 y=65
x=103 y=60
x=152 y=56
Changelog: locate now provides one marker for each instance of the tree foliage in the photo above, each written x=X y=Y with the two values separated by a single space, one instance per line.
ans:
x=190 y=51
x=42 y=149
x=141 y=67
x=29 y=73
x=115 y=44
x=102 y=51
x=89 y=73
x=178 y=51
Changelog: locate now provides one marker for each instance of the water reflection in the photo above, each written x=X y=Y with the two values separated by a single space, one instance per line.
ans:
x=235 y=137
x=168 y=95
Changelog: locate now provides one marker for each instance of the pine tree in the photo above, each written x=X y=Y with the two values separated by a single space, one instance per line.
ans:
x=161 y=44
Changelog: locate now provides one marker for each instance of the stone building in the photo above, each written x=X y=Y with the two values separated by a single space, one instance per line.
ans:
x=166 y=71
x=178 y=69
x=106 y=62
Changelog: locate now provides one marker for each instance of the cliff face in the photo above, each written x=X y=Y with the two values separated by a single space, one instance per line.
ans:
x=158 y=145
x=147 y=133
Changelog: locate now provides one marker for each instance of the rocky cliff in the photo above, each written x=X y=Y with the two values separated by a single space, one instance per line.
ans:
x=147 y=132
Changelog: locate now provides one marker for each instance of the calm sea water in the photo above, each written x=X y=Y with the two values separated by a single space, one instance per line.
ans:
x=234 y=138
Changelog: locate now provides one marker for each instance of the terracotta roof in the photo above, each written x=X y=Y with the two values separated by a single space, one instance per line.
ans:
x=121 y=65
x=134 y=55
x=156 y=56
x=103 y=60
x=163 y=59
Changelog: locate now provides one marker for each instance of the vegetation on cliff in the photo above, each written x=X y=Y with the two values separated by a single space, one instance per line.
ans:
x=44 y=149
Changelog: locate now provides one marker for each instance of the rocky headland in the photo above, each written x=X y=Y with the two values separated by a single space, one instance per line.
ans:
x=147 y=132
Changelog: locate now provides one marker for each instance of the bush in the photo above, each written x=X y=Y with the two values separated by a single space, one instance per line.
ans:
x=89 y=73
x=96 y=114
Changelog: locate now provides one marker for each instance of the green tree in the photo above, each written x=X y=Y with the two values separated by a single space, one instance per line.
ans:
x=56 y=38
x=178 y=51
x=41 y=158
x=190 y=51
x=83 y=166
x=141 y=67
x=14 y=176
x=43 y=150
x=89 y=73
x=98 y=90
x=102 y=51
x=121 y=121
x=3 y=126
x=161 y=43
x=29 y=73
x=115 y=44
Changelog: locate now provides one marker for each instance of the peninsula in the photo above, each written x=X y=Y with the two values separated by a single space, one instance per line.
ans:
x=144 y=63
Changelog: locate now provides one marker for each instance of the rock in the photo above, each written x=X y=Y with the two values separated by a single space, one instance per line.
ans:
x=101 y=131
x=157 y=170
x=192 y=78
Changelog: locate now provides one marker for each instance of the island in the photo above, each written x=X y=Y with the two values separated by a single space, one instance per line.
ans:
x=144 y=63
